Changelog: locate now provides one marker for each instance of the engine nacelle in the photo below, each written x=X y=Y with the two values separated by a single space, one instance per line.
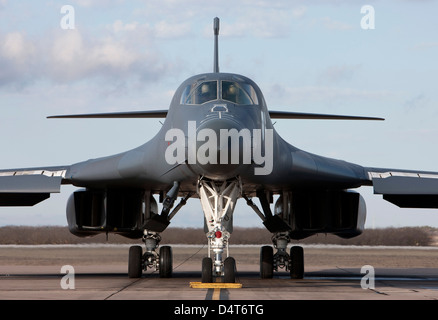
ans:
x=339 y=212
x=90 y=212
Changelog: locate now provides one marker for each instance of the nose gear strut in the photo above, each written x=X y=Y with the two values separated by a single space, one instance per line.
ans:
x=218 y=200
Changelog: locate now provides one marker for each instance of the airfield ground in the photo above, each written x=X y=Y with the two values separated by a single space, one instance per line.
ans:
x=331 y=273
x=316 y=256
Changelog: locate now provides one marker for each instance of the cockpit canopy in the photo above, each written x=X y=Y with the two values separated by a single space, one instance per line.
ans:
x=237 y=92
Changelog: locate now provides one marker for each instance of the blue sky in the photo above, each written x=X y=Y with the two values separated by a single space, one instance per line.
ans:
x=309 y=56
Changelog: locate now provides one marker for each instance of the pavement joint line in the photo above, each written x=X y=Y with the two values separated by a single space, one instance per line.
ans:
x=213 y=285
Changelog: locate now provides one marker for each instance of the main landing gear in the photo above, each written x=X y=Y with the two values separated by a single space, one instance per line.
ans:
x=139 y=261
x=270 y=262
x=161 y=261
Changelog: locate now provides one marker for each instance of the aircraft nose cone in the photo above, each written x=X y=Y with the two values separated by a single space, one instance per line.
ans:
x=221 y=145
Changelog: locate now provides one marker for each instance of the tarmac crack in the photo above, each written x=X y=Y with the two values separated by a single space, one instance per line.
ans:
x=121 y=289
x=378 y=292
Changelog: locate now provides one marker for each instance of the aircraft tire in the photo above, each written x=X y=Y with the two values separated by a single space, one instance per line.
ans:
x=230 y=270
x=135 y=262
x=297 y=262
x=266 y=262
x=166 y=262
x=207 y=270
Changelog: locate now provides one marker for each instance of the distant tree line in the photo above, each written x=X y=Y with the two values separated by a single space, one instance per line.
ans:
x=406 y=236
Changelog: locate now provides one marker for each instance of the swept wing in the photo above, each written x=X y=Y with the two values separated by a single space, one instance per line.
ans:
x=27 y=187
x=406 y=188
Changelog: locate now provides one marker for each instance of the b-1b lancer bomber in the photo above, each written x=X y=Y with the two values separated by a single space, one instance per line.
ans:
x=217 y=144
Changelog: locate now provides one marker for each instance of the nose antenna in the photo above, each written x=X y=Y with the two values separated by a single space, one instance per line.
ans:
x=216 y=36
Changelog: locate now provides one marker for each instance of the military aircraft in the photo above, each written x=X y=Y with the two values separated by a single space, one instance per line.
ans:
x=218 y=144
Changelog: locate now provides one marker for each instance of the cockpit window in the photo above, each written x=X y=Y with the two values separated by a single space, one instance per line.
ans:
x=205 y=92
x=236 y=92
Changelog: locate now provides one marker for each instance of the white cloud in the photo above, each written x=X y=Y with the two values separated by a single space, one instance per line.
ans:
x=17 y=59
x=96 y=3
x=160 y=30
x=75 y=57
x=269 y=23
x=339 y=73
x=323 y=94
x=70 y=55
x=299 y=12
x=419 y=101
x=331 y=24
x=426 y=45
x=67 y=48
x=118 y=26
x=166 y=30
x=15 y=48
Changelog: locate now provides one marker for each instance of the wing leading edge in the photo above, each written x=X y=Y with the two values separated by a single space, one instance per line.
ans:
x=163 y=114
x=115 y=115
x=316 y=116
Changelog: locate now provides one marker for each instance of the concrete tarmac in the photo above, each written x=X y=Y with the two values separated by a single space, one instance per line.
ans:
x=34 y=273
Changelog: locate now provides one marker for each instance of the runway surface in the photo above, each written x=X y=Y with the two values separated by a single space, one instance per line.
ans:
x=331 y=273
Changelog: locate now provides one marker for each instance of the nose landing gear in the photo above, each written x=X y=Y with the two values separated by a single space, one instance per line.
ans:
x=218 y=201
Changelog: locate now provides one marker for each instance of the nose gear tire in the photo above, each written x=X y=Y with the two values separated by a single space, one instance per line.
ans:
x=207 y=270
